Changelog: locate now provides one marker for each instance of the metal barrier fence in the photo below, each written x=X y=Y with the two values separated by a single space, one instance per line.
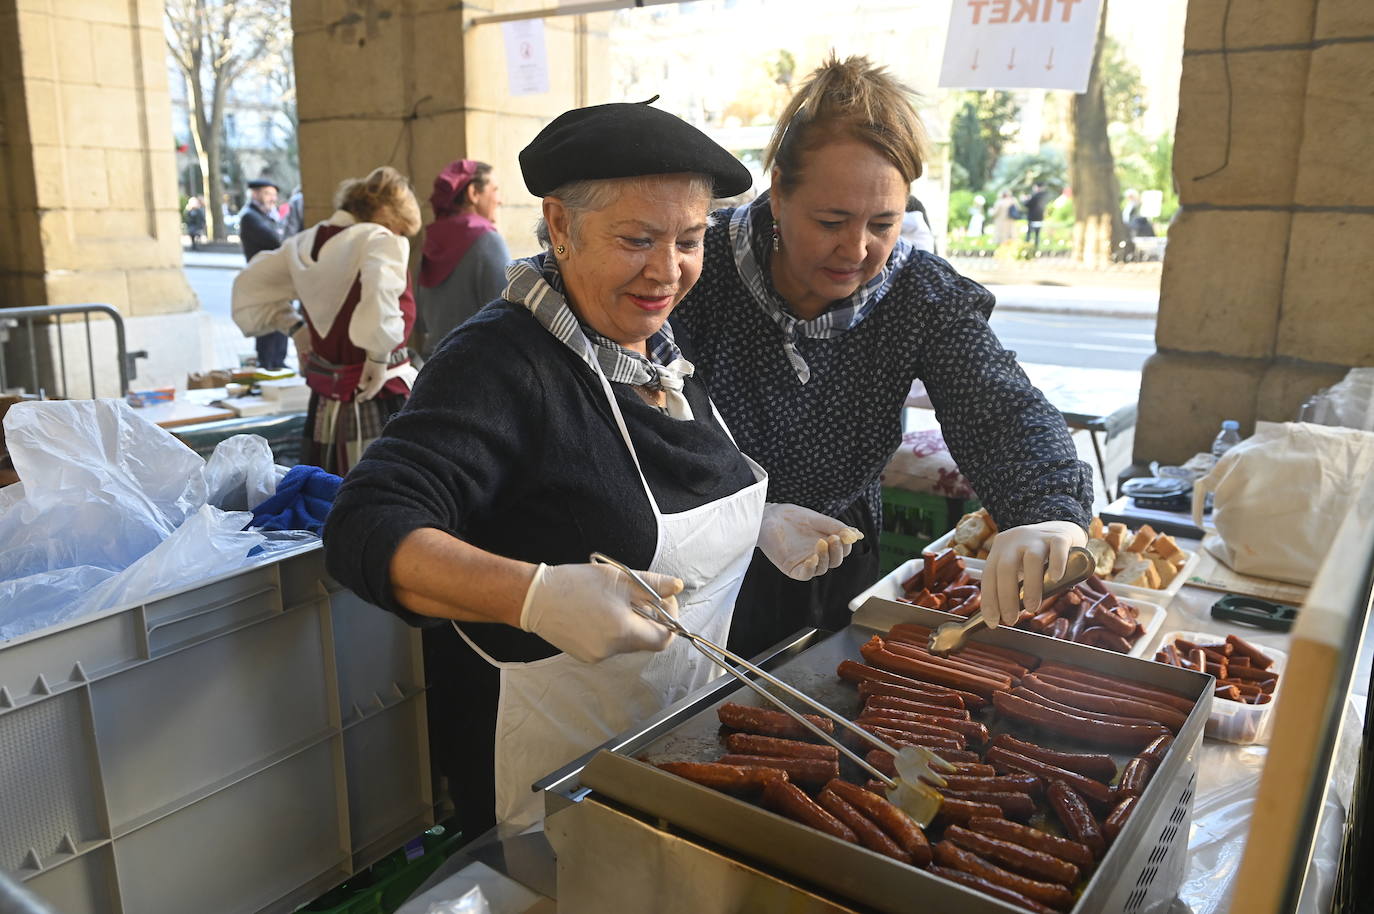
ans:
x=43 y=316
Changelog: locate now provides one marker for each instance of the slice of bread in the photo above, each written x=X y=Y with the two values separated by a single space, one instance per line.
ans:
x=972 y=531
x=1104 y=555
x=1164 y=546
x=1164 y=571
x=1096 y=528
x=1142 y=539
x=1116 y=533
x=1134 y=571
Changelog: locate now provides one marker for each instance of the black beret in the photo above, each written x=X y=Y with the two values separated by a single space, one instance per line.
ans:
x=623 y=141
x=263 y=182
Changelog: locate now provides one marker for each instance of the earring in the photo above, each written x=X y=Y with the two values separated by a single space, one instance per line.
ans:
x=777 y=239
x=560 y=250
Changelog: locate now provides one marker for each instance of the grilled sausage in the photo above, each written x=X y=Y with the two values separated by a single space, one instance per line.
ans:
x=789 y=800
x=899 y=826
x=935 y=695
x=1133 y=736
x=1013 y=805
x=1134 y=777
x=990 y=888
x=1034 y=839
x=767 y=722
x=1010 y=783
x=1023 y=860
x=727 y=778
x=960 y=811
x=870 y=835
x=907 y=722
x=1156 y=751
x=949 y=854
x=1116 y=819
x=886 y=702
x=1078 y=820
x=1101 y=716
x=1258 y=658
x=899 y=738
x=876 y=653
x=1077 y=678
x=801 y=770
x=1121 y=707
x=1094 y=790
x=753 y=744
x=1093 y=765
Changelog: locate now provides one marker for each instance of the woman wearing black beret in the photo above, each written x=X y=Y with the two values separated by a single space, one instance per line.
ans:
x=560 y=420
x=810 y=323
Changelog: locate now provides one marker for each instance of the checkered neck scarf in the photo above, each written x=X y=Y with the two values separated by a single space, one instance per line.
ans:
x=751 y=239
x=536 y=283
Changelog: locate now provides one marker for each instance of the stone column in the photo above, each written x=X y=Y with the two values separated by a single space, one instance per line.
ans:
x=88 y=199
x=415 y=85
x=1264 y=297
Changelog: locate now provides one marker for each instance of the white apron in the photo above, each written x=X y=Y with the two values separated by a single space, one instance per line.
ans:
x=553 y=710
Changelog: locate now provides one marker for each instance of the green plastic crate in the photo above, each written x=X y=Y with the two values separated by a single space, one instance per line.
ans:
x=386 y=885
x=911 y=520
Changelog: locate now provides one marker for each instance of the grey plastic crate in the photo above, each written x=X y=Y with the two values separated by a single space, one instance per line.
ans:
x=239 y=746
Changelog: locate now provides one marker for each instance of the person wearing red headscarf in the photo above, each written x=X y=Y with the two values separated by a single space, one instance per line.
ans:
x=464 y=258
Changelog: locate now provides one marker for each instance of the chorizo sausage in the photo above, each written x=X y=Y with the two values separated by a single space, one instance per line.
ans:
x=1116 y=819
x=753 y=744
x=908 y=723
x=858 y=672
x=870 y=835
x=899 y=826
x=901 y=738
x=1121 y=707
x=936 y=695
x=1033 y=838
x=956 y=810
x=767 y=722
x=802 y=770
x=1078 y=820
x=1037 y=698
x=980 y=884
x=727 y=778
x=1013 y=805
x=1091 y=764
x=789 y=800
x=1077 y=726
x=953 y=662
x=915 y=707
x=1258 y=658
x=876 y=653
x=1094 y=790
x=1023 y=860
x=949 y=854
x=911 y=631
x=1008 y=783
x=1134 y=777
x=1156 y=751
x=1105 y=685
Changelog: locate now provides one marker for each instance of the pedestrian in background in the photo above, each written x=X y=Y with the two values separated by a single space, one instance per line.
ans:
x=976 y=216
x=1034 y=206
x=260 y=231
x=295 y=214
x=194 y=217
x=1004 y=216
x=463 y=265
x=350 y=274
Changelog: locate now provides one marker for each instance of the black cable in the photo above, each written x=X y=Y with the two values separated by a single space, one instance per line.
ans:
x=1230 y=96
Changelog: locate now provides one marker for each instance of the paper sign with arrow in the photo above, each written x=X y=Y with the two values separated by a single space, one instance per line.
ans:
x=1020 y=44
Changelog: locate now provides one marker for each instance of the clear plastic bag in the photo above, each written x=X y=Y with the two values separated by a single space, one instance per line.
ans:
x=472 y=902
x=1349 y=402
x=113 y=509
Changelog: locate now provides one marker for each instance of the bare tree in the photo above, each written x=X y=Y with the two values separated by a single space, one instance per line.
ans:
x=214 y=42
x=1098 y=229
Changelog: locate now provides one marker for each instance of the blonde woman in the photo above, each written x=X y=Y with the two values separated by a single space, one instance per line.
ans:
x=812 y=319
x=350 y=275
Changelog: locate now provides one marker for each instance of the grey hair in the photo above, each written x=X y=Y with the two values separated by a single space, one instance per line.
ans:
x=582 y=197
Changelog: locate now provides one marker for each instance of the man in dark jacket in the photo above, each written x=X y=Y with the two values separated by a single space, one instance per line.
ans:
x=259 y=230
x=1034 y=205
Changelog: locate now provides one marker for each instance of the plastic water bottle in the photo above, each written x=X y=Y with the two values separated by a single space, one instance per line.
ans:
x=1227 y=438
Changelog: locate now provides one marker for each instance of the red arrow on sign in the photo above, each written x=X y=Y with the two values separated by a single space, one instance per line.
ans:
x=1011 y=64
x=974 y=65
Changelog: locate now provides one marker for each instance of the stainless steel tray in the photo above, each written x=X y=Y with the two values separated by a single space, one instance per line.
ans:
x=1140 y=873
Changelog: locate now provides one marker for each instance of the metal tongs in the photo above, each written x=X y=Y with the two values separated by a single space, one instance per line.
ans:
x=952 y=635
x=917 y=767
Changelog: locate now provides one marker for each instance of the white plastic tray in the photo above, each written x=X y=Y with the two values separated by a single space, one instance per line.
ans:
x=1236 y=721
x=1151 y=614
x=1163 y=596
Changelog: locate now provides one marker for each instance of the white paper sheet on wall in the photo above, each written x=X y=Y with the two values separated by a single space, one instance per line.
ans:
x=527 y=65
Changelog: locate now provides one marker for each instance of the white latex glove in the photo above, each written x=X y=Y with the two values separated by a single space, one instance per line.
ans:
x=1025 y=553
x=374 y=376
x=803 y=543
x=585 y=610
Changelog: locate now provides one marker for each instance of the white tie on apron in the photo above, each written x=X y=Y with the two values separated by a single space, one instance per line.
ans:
x=553 y=710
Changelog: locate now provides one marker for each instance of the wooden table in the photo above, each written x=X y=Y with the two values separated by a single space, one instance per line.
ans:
x=176 y=413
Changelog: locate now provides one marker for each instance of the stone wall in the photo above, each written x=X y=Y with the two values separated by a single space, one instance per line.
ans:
x=88 y=199
x=416 y=85
x=1266 y=291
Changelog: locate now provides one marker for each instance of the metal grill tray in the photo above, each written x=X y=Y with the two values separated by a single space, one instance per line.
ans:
x=1141 y=872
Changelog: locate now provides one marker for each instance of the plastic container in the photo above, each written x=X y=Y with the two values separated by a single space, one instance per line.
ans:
x=890 y=588
x=240 y=745
x=1236 y=721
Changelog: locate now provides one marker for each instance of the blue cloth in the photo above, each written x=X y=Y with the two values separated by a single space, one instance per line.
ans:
x=301 y=502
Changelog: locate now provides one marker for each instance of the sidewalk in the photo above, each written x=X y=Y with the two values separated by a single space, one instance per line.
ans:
x=1069 y=288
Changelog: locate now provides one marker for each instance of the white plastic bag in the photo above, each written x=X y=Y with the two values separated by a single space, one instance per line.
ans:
x=1280 y=496
x=113 y=509
x=472 y=902
x=240 y=474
